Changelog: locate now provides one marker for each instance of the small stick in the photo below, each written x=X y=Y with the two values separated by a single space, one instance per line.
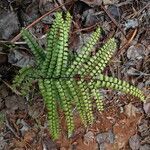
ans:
x=11 y=129
x=37 y=20
x=113 y=20
x=85 y=29
x=140 y=11
x=128 y=42
x=9 y=86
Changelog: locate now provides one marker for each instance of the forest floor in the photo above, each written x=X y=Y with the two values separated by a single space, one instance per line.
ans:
x=125 y=122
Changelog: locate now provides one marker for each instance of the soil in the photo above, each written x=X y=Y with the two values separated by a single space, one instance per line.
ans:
x=125 y=122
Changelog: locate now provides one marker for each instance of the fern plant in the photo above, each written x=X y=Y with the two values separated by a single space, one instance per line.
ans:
x=64 y=82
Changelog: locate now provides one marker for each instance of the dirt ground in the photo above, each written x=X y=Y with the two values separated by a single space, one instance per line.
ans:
x=125 y=122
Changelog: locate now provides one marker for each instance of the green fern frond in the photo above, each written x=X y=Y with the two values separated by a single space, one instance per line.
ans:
x=97 y=63
x=25 y=86
x=84 y=54
x=68 y=21
x=116 y=84
x=64 y=83
x=52 y=47
x=65 y=54
x=67 y=107
x=62 y=60
x=86 y=102
x=23 y=80
x=37 y=51
x=78 y=98
x=98 y=98
x=57 y=55
x=47 y=92
x=21 y=76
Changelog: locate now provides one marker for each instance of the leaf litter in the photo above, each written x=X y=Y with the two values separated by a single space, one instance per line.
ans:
x=124 y=122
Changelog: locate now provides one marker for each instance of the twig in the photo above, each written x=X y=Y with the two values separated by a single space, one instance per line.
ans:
x=9 y=86
x=37 y=20
x=124 y=3
x=1 y=53
x=11 y=129
x=128 y=42
x=9 y=42
x=140 y=11
x=85 y=29
x=113 y=20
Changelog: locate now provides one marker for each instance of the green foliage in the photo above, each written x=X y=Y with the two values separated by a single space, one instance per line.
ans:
x=64 y=82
